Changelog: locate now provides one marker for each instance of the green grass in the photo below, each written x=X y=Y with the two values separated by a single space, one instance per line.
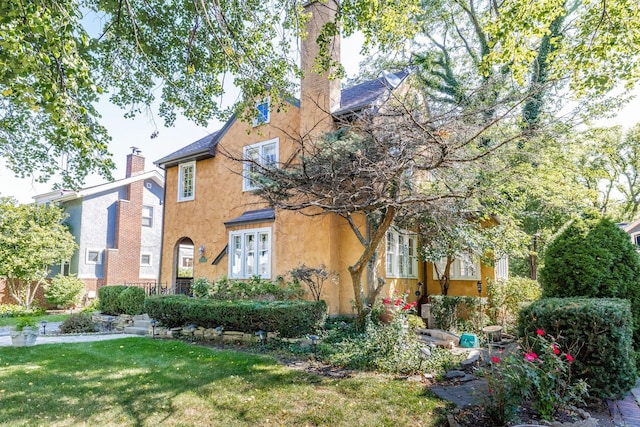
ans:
x=144 y=382
x=11 y=321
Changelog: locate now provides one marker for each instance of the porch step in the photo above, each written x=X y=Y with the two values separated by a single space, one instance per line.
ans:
x=141 y=326
x=136 y=330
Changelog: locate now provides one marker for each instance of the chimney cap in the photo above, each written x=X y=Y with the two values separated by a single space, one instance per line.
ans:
x=135 y=150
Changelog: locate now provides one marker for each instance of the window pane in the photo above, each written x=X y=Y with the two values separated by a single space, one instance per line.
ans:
x=269 y=154
x=147 y=216
x=236 y=256
x=145 y=259
x=263 y=261
x=186 y=181
x=250 y=255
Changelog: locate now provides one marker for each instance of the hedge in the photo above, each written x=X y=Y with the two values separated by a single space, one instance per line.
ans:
x=598 y=333
x=291 y=319
x=108 y=299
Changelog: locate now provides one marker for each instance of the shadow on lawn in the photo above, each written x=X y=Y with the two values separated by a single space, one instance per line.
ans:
x=135 y=382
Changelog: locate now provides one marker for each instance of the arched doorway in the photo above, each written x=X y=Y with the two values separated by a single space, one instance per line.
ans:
x=183 y=255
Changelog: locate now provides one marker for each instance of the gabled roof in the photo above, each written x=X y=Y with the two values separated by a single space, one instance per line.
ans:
x=201 y=149
x=369 y=93
x=67 y=195
x=356 y=98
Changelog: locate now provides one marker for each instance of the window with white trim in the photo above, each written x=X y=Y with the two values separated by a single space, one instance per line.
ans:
x=401 y=254
x=145 y=260
x=263 y=153
x=250 y=253
x=93 y=256
x=147 y=216
x=464 y=267
x=262 y=112
x=186 y=181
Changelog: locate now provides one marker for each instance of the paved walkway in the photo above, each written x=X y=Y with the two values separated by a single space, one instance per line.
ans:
x=624 y=412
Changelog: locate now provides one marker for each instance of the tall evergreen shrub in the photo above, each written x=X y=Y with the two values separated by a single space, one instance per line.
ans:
x=594 y=258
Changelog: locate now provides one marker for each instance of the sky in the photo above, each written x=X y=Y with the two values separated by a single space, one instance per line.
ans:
x=137 y=132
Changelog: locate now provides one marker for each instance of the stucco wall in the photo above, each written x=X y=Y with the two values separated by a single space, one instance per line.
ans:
x=152 y=236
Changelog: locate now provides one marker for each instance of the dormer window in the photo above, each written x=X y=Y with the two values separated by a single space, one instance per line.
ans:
x=263 y=116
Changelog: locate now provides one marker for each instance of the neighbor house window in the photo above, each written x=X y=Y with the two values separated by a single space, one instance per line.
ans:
x=94 y=256
x=250 y=253
x=147 y=216
x=145 y=260
x=401 y=251
x=256 y=155
x=186 y=181
x=464 y=267
x=262 y=113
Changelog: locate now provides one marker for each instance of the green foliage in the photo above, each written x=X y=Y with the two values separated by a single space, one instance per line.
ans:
x=200 y=287
x=78 y=323
x=254 y=288
x=387 y=348
x=131 y=301
x=25 y=322
x=290 y=318
x=593 y=257
x=456 y=314
x=32 y=238
x=15 y=310
x=598 y=334
x=538 y=371
x=109 y=298
x=505 y=298
x=64 y=291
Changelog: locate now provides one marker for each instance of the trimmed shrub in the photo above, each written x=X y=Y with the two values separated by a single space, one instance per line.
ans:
x=109 y=299
x=131 y=301
x=254 y=288
x=597 y=332
x=289 y=318
x=593 y=258
x=64 y=291
x=77 y=323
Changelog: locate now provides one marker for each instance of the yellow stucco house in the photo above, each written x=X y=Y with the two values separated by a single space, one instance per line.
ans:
x=215 y=225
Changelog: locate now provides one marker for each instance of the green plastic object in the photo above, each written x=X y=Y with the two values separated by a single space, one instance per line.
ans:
x=469 y=341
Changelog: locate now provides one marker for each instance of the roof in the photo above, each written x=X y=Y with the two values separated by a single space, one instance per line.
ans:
x=201 y=149
x=370 y=93
x=67 y=195
x=248 y=217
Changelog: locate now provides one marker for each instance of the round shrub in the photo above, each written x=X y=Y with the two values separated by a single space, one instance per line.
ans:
x=593 y=258
x=77 y=323
x=131 y=301
x=200 y=287
x=108 y=297
x=64 y=291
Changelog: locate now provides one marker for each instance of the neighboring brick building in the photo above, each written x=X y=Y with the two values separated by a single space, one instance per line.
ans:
x=117 y=225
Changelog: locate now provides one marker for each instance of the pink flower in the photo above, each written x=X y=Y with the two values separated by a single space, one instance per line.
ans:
x=386 y=301
x=495 y=359
x=530 y=356
x=414 y=304
x=540 y=332
x=398 y=302
x=556 y=350
x=569 y=358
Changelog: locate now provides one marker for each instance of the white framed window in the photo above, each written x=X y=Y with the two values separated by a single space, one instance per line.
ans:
x=263 y=153
x=250 y=253
x=636 y=240
x=263 y=107
x=186 y=181
x=93 y=256
x=65 y=268
x=147 y=216
x=145 y=259
x=464 y=267
x=401 y=254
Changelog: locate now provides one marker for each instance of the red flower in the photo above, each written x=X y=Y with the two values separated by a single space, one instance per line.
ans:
x=407 y=307
x=556 y=350
x=495 y=359
x=530 y=356
x=398 y=302
x=414 y=304
x=386 y=301
x=569 y=358
x=540 y=332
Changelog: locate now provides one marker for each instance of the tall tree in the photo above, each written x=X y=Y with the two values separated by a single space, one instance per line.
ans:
x=32 y=238
x=187 y=53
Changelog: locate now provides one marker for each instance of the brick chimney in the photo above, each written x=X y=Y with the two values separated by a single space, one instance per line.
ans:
x=135 y=163
x=319 y=95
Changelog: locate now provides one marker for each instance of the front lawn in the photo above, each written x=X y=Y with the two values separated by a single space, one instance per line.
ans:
x=144 y=382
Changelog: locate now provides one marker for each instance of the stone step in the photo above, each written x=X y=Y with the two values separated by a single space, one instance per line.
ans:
x=142 y=323
x=137 y=330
